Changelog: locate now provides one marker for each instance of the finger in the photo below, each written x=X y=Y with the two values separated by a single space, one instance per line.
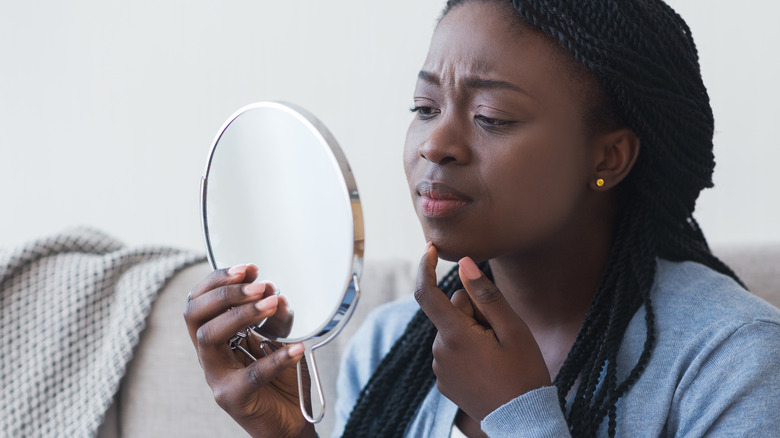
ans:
x=279 y=325
x=488 y=300
x=212 y=337
x=266 y=369
x=215 y=302
x=223 y=277
x=460 y=299
x=463 y=302
x=251 y=273
x=431 y=299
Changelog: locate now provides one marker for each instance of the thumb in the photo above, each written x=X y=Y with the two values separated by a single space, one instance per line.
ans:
x=488 y=300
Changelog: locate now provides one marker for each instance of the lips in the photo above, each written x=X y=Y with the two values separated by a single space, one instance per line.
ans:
x=438 y=200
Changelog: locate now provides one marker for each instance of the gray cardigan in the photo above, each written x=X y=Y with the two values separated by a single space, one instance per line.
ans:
x=714 y=370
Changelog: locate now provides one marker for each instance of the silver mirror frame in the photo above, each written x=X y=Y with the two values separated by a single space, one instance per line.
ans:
x=349 y=298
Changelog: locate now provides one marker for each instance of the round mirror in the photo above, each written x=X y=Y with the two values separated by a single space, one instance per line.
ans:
x=278 y=193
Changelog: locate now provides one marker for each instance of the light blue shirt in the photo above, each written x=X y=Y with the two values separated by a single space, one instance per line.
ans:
x=715 y=369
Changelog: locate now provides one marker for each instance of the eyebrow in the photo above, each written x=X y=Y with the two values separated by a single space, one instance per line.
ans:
x=474 y=82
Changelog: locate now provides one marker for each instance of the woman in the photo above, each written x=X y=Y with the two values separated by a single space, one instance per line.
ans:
x=562 y=145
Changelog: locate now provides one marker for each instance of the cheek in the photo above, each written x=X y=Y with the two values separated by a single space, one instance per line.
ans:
x=536 y=191
x=410 y=153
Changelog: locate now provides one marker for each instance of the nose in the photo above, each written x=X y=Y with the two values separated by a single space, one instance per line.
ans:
x=446 y=143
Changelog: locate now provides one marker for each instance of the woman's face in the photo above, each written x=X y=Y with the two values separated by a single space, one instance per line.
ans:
x=497 y=157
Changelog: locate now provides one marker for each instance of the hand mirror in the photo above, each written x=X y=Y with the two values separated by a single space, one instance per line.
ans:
x=278 y=193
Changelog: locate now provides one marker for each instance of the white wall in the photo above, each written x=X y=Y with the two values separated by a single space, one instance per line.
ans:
x=107 y=108
x=738 y=49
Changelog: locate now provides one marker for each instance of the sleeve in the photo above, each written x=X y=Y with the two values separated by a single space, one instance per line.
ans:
x=735 y=387
x=365 y=351
x=350 y=380
x=535 y=414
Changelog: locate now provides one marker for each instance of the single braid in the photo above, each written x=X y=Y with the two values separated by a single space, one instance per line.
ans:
x=645 y=60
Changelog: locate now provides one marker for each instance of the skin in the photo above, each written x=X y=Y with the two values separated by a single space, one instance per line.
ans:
x=502 y=167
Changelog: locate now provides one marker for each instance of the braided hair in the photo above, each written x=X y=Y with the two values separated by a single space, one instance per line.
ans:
x=643 y=56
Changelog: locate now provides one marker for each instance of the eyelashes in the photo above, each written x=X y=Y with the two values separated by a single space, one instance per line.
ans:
x=424 y=112
x=491 y=122
x=427 y=112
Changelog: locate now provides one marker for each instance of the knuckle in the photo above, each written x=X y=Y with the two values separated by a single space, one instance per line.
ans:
x=436 y=350
x=488 y=295
x=277 y=360
x=255 y=376
x=443 y=345
x=438 y=346
x=222 y=396
x=222 y=294
x=194 y=292
x=215 y=277
x=204 y=335
x=242 y=314
x=219 y=274
x=187 y=313
x=419 y=293
x=213 y=280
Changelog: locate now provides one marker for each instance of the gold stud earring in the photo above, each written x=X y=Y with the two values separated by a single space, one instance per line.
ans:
x=600 y=182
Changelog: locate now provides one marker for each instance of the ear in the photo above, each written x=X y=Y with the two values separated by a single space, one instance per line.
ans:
x=616 y=153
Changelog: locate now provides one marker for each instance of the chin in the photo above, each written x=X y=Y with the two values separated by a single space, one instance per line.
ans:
x=450 y=256
x=448 y=238
x=453 y=250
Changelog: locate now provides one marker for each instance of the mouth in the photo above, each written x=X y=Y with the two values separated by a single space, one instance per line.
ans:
x=438 y=200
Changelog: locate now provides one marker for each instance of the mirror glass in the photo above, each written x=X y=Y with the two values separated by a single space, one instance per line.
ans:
x=278 y=193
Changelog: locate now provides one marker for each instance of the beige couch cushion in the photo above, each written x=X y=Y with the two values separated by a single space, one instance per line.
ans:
x=164 y=393
x=758 y=266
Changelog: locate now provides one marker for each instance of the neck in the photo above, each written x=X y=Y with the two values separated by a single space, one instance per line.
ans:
x=552 y=288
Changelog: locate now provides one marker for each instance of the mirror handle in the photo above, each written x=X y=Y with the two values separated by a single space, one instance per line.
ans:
x=312 y=365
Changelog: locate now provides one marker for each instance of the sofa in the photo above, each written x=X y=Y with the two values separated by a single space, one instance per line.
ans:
x=164 y=393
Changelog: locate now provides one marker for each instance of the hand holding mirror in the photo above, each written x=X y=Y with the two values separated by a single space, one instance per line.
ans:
x=278 y=192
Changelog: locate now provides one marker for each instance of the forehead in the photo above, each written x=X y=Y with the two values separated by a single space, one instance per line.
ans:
x=489 y=39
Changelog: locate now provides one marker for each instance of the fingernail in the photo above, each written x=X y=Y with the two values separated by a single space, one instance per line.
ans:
x=469 y=268
x=267 y=303
x=238 y=269
x=254 y=289
x=428 y=246
x=295 y=350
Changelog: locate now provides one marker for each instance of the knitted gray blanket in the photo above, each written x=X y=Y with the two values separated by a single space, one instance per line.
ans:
x=72 y=308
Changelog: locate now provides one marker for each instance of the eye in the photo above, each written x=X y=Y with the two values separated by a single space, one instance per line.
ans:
x=490 y=122
x=424 y=112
